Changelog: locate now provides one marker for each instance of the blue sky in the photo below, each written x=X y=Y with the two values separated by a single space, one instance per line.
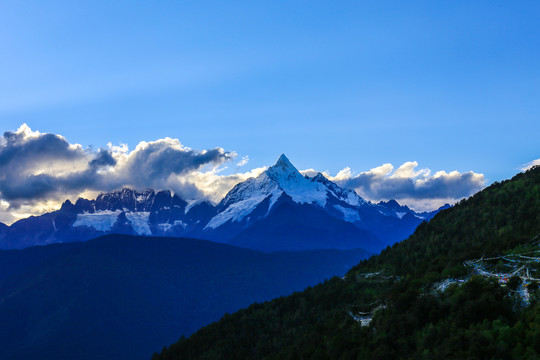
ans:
x=450 y=85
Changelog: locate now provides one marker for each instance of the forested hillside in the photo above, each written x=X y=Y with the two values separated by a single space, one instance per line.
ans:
x=386 y=307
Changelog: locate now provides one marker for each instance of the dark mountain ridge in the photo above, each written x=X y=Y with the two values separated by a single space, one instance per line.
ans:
x=123 y=296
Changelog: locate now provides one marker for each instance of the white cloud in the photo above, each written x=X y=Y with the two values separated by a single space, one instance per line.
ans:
x=416 y=188
x=243 y=161
x=309 y=172
x=214 y=186
x=39 y=171
x=529 y=165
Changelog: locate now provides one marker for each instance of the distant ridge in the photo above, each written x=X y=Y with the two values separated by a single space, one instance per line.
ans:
x=123 y=296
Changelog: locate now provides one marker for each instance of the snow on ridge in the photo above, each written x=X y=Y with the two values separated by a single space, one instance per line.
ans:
x=179 y=222
x=305 y=192
x=140 y=198
x=244 y=198
x=349 y=214
x=140 y=222
x=236 y=211
x=104 y=220
x=168 y=226
x=165 y=226
x=400 y=214
x=301 y=189
x=99 y=220
x=353 y=198
x=346 y=195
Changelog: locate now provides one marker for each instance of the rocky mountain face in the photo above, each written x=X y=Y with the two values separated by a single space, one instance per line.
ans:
x=125 y=212
x=278 y=210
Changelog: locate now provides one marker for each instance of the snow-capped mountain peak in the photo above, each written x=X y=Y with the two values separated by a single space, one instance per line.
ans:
x=283 y=171
x=301 y=189
x=282 y=179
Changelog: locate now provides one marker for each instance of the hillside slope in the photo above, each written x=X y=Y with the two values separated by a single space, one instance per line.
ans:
x=296 y=227
x=477 y=320
x=121 y=297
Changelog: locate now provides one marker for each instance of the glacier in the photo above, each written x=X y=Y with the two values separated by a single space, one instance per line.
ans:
x=99 y=220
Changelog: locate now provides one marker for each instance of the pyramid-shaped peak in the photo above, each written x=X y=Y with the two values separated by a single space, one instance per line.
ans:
x=283 y=169
x=283 y=161
x=283 y=164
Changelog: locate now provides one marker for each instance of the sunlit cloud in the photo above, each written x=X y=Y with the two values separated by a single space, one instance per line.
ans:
x=418 y=188
x=214 y=186
x=243 y=161
x=529 y=165
x=38 y=171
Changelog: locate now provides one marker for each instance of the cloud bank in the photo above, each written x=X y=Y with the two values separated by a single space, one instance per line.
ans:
x=38 y=171
x=420 y=189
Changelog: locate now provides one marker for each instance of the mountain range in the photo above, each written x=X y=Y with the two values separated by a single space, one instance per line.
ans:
x=279 y=210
